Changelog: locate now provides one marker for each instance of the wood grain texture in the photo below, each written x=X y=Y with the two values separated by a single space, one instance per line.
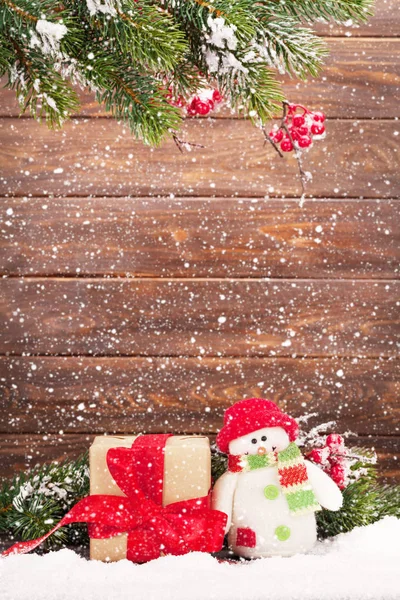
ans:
x=199 y=317
x=188 y=395
x=200 y=237
x=52 y=406
x=21 y=452
x=357 y=159
x=360 y=79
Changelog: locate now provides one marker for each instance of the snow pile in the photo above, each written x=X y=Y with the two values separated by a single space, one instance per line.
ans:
x=107 y=7
x=50 y=35
x=360 y=565
x=221 y=36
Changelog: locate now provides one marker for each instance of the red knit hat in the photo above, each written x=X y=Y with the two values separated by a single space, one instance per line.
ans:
x=249 y=415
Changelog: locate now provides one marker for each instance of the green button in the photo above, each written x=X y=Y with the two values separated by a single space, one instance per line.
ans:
x=282 y=533
x=271 y=492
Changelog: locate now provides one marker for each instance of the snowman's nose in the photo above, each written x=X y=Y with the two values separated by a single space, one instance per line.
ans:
x=261 y=450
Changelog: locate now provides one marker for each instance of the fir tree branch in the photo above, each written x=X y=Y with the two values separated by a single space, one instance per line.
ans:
x=19 y=11
x=225 y=48
x=365 y=500
x=7 y=53
x=33 y=502
x=131 y=53
x=140 y=30
x=139 y=100
x=185 y=80
x=335 y=10
x=40 y=87
x=287 y=46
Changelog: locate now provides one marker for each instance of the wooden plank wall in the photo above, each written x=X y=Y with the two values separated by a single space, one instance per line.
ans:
x=144 y=290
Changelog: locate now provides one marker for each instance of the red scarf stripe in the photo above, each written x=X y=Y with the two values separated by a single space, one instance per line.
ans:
x=293 y=475
x=233 y=463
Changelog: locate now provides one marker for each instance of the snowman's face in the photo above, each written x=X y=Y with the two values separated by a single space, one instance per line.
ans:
x=269 y=439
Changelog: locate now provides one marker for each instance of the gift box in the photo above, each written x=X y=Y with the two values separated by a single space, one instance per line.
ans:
x=186 y=476
x=150 y=496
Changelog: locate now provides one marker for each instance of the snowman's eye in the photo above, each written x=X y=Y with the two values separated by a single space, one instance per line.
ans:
x=264 y=438
x=254 y=441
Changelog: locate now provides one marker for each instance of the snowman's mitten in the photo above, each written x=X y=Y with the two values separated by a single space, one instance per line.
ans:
x=325 y=489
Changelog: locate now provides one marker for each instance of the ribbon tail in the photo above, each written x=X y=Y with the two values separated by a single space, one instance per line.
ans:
x=85 y=511
x=25 y=547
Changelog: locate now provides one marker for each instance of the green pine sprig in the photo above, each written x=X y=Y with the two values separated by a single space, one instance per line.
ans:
x=365 y=499
x=136 y=54
x=32 y=503
x=339 y=11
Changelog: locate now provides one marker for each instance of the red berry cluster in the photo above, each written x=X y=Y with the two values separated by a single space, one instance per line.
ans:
x=299 y=128
x=204 y=103
x=332 y=458
x=201 y=104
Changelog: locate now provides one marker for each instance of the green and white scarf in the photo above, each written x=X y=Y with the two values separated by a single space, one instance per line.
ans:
x=292 y=475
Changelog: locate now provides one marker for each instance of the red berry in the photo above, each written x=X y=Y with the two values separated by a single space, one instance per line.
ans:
x=203 y=108
x=276 y=135
x=198 y=107
x=304 y=130
x=210 y=103
x=319 y=455
x=286 y=145
x=298 y=120
x=316 y=455
x=304 y=141
x=334 y=440
x=338 y=475
x=317 y=129
x=216 y=96
x=179 y=101
x=318 y=116
x=191 y=109
x=294 y=133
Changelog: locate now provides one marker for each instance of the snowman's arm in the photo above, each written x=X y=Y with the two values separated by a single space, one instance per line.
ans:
x=222 y=495
x=325 y=489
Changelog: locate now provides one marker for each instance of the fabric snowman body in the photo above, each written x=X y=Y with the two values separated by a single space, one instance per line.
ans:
x=269 y=493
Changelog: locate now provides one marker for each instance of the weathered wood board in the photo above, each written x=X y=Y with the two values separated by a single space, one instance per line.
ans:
x=189 y=395
x=190 y=237
x=162 y=317
x=361 y=159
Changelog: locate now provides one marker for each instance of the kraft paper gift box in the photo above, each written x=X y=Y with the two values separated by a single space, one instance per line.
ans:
x=187 y=475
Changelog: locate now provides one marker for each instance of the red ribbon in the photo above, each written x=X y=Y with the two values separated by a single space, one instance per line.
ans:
x=152 y=529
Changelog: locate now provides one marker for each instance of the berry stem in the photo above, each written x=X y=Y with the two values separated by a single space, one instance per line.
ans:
x=291 y=106
x=182 y=143
x=297 y=153
x=275 y=146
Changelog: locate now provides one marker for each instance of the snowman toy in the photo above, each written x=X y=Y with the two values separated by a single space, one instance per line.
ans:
x=269 y=493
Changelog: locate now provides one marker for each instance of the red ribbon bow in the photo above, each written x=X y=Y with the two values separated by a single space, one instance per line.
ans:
x=152 y=529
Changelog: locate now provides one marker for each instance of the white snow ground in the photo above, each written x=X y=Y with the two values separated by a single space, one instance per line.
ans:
x=361 y=565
